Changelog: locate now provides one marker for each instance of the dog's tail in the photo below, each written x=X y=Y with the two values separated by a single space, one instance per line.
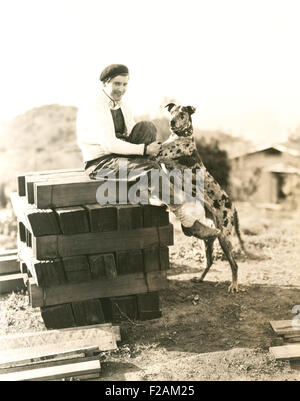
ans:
x=238 y=233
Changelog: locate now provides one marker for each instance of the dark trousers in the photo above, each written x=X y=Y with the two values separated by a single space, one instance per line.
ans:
x=142 y=132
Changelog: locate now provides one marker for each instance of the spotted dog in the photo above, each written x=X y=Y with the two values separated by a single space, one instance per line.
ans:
x=179 y=151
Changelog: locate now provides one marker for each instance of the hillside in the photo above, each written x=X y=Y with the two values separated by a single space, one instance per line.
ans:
x=44 y=138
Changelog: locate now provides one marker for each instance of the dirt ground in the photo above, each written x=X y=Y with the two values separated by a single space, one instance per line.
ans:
x=206 y=333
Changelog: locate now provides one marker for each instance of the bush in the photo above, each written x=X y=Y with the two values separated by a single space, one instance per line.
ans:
x=215 y=160
x=245 y=183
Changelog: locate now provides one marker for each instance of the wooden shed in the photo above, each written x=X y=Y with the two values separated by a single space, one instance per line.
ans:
x=270 y=174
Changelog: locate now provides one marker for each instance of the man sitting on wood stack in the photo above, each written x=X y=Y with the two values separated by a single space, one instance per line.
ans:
x=108 y=137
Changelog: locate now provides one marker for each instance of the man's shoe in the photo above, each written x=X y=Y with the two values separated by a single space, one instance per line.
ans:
x=201 y=231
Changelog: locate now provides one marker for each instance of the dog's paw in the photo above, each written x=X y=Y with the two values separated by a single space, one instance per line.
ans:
x=197 y=280
x=233 y=288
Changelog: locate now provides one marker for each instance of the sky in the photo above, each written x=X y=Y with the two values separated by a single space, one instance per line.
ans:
x=236 y=61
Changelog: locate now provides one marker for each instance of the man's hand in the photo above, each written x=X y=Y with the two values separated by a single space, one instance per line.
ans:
x=153 y=148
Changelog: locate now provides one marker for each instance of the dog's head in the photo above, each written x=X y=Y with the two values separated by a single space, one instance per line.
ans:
x=181 y=120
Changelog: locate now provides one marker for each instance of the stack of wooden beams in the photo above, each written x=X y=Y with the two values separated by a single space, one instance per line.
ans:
x=56 y=354
x=289 y=334
x=11 y=278
x=88 y=263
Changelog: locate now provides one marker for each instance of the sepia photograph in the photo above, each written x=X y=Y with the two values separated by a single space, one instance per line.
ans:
x=150 y=193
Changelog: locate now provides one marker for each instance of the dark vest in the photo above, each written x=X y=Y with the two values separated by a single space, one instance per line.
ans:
x=119 y=122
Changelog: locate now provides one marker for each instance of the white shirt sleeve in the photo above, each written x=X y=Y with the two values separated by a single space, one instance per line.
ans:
x=95 y=126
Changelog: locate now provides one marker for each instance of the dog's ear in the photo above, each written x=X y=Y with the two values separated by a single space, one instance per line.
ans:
x=191 y=109
x=170 y=106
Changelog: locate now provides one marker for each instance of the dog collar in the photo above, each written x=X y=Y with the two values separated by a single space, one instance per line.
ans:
x=186 y=132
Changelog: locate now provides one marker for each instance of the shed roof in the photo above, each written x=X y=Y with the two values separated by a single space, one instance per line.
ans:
x=276 y=146
x=282 y=168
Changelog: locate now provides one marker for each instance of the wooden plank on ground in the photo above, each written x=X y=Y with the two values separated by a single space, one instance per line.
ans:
x=123 y=285
x=24 y=356
x=21 y=178
x=11 y=282
x=9 y=264
x=295 y=365
x=285 y=327
x=295 y=339
x=37 y=221
x=8 y=252
x=89 y=377
x=65 y=192
x=73 y=219
x=286 y=352
x=53 y=246
x=91 y=365
x=116 y=330
x=49 y=363
x=103 y=336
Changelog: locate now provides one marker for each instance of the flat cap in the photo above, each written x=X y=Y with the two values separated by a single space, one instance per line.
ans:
x=112 y=71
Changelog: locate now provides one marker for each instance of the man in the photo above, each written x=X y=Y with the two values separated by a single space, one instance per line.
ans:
x=107 y=135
